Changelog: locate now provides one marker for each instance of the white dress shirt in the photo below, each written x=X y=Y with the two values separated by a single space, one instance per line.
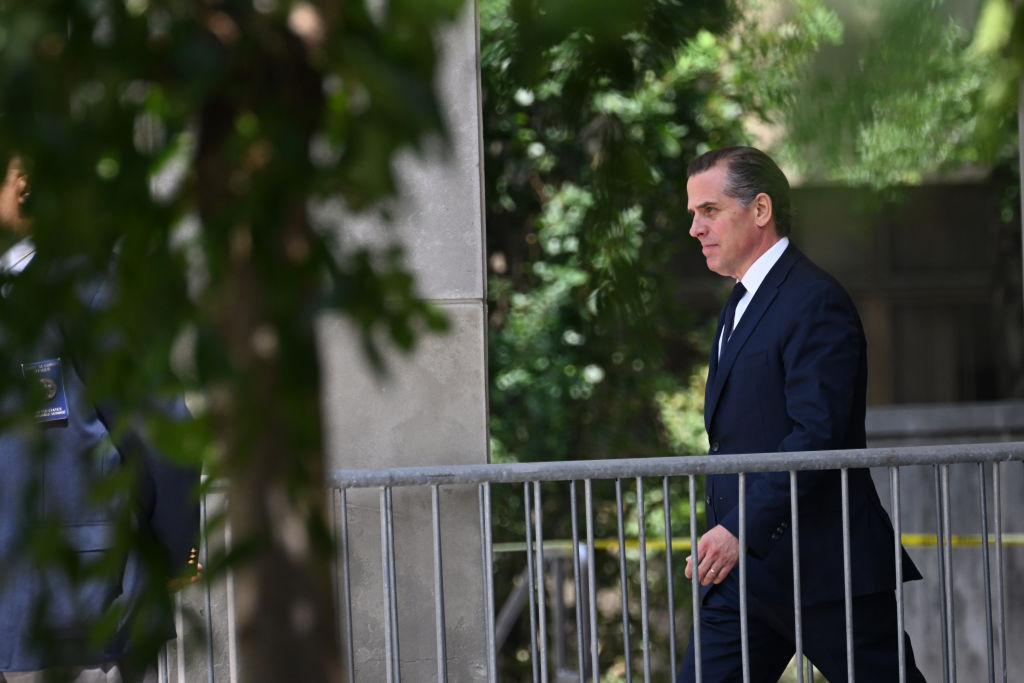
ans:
x=752 y=279
x=18 y=256
x=15 y=260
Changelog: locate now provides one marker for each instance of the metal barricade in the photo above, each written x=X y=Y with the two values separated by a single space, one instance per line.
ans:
x=552 y=568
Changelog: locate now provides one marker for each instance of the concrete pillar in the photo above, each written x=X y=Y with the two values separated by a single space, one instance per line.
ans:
x=431 y=407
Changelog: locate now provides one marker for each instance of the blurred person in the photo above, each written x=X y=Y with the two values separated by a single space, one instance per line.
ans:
x=57 y=449
x=788 y=372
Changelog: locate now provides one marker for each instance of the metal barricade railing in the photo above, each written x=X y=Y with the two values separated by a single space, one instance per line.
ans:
x=548 y=563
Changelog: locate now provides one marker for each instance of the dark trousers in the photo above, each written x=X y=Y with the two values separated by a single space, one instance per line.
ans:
x=772 y=639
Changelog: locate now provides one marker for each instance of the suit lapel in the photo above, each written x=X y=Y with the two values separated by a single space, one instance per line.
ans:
x=713 y=366
x=713 y=361
x=718 y=370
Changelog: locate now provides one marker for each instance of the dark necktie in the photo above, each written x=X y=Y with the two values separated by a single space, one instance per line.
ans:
x=730 y=313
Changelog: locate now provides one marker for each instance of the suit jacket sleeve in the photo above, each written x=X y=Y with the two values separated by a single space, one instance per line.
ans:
x=166 y=490
x=823 y=365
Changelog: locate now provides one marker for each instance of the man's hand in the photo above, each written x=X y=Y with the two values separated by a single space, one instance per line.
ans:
x=718 y=551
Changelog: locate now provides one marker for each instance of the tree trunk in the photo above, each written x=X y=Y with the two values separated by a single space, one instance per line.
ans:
x=252 y=190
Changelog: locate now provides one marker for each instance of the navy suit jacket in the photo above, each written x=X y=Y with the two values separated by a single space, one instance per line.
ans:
x=793 y=378
x=48 y=476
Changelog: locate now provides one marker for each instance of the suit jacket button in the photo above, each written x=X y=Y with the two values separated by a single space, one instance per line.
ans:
x=707 y=500
x=714 y=447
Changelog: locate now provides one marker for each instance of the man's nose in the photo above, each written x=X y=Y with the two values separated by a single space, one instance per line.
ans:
x=696 y=228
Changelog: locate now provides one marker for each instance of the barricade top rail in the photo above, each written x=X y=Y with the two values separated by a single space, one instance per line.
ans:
x=508 y=473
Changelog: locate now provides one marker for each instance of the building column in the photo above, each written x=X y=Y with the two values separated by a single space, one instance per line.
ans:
x=430 y=408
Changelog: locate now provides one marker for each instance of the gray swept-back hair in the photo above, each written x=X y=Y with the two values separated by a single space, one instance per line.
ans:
x=749 y=173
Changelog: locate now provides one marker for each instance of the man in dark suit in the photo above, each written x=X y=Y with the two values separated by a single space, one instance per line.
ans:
x=72 y=557
x=788 y=372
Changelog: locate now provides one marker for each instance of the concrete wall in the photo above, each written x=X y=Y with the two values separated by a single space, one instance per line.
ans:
x=958 y=423
x=431 y=407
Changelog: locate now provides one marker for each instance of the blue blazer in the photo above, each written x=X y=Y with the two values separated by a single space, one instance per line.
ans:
x=793 y=378
x=48 y=475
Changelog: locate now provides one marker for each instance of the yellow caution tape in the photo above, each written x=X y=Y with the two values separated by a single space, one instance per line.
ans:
x=910 y=540
x=930 y=540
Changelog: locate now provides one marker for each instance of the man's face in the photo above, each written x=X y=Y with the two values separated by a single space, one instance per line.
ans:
x=729 y=235
x=12 y=196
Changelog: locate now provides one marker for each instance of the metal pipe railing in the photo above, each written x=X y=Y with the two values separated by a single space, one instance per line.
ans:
x=678 y=466
x=531 y=475
x=897 y=521
x=545 y=594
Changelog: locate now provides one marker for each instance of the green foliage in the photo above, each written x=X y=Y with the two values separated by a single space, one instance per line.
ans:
x=912 y=95
x=194 y=137
x=588 y=133
x=586 y=139
x=769 y=60
x=681 y=410
x=588 y=130
x=999 y=39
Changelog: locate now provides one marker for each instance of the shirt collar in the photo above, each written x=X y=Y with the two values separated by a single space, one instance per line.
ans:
x=758 y=271
x=17 y=257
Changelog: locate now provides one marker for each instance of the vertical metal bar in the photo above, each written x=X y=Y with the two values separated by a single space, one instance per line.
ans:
x=390 y=627
x=798 y=622
x=346 y=579
x=179 y=624
x=386 y=586
x=439 y=625
x=997 y=504
x=332 y=501
x=577 y=583
x=947 y=550
x=986 y=568
x=538 y=519
x=487 y=547
x=394 y=585
x=897 y=520
x=669 y=576
x=744 y=632
x=588 y=492
x=161 y=666
x=641 y=520
x=530 y=580
x=694 y=583
x=623 y=585
x=557 y=569
x=229 y=585
x=940 y=542
x=179 y=640
x=844 y=476
x=204 y=550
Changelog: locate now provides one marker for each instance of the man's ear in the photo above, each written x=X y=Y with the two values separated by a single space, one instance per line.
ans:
x=22 y=188
x=763 y=213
